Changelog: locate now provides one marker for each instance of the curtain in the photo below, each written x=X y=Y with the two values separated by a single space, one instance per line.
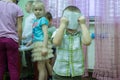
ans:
x=56 y=7
x=107 y=40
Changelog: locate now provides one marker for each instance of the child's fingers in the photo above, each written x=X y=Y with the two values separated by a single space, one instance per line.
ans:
x=81 y=19
x=64 y=20
x=44 y=51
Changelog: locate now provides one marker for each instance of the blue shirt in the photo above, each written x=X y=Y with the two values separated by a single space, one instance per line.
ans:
x=37 y=29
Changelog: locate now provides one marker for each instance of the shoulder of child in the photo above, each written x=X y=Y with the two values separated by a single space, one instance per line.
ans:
x=43 y=21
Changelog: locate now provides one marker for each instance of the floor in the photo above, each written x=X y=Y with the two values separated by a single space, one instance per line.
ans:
x=32 y=77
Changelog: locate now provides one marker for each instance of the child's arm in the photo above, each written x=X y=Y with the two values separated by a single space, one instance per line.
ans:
x=86 y=39
x=26 y=35
x=59 y=34
x=29 y=43
x=19 y=25
x=45 y=42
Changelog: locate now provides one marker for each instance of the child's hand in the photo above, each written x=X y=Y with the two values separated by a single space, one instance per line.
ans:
x=64 y=21
x=44 y=51
x=81 y=20
x=23 y=37
x=29 y=43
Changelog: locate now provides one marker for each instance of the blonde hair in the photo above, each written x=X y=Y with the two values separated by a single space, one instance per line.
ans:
x=30 y=2
x=38 y=3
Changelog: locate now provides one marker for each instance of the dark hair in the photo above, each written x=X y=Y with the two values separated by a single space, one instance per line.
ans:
x=17 y=1
x=48 y=15
x=72 y=8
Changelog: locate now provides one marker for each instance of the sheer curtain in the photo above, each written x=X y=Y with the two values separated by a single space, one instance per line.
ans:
x=107 y=41
x=56 y=7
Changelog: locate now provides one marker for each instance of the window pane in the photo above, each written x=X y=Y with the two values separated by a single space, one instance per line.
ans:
x=92 y=7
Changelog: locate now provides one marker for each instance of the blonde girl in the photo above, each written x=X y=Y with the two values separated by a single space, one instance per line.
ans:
x=41 y=51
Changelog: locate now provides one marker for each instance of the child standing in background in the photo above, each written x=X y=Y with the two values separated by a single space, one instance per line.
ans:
x=27 y=30
x=69 y=63
x=10 y=37
x=42 y=52
x=27 y=66
x=51 y=29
